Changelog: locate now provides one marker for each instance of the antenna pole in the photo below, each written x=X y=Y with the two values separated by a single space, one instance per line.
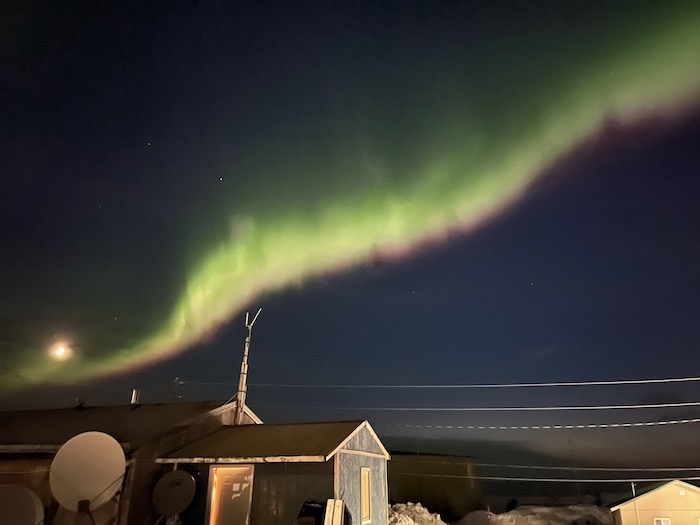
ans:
x=243 y=378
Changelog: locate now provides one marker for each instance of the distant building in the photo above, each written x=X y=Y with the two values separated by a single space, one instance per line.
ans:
x=448 y=485
x=673 y=503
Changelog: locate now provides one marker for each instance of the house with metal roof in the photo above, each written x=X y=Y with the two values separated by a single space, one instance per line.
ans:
x=29 y=440
x=673 y=503
x=263 y=474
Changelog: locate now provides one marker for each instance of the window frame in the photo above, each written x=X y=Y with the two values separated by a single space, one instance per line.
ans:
x=211 y=516
x=365 y=495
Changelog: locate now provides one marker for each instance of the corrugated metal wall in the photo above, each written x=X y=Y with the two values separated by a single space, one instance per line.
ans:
x=280 y=489
x=666 y=502
x=349 y=486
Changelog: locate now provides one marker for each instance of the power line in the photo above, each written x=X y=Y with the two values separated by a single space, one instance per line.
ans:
x=493 y=409
x=550 y=480
x=669 y=422
x=591 y=469
x=569 y=468
x=17 y=346
x=469 y=385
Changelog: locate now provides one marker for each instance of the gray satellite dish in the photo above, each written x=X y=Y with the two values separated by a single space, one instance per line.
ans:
x=20 y=506
x=87 y=471
x=174 y=492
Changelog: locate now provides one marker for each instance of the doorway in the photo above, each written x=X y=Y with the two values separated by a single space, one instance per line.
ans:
x=230 y=494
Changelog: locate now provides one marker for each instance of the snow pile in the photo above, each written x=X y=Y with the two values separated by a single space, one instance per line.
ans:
x=412 y=514
x=479 y=517
x=537 y=515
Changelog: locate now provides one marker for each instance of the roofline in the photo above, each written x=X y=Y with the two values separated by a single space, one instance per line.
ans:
x=222 y=408
x=360 y=426
x=97 y=407
x=262 y=459
x=379 y=441
x=685 y=484
x=252 y=415
x=300 y=423
x=28 y=449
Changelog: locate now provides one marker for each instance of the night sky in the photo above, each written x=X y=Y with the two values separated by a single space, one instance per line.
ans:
x=416 y=193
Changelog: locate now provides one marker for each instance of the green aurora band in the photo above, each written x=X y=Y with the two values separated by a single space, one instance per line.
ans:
x=477 y=167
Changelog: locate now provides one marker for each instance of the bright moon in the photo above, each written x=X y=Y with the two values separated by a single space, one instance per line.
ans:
x=60 y=352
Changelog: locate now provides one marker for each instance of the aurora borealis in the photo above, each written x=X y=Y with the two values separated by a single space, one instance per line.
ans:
x=331 y=137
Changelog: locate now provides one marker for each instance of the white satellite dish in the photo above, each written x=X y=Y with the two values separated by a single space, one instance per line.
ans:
x=87 y=471
x=174 y=492
x=20 y=506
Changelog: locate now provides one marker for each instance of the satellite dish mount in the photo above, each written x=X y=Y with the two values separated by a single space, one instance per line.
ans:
x=84 y=510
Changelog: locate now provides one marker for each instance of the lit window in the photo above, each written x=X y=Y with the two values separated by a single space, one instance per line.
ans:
x=366 y=510
x=230 y=489
x=662 y=521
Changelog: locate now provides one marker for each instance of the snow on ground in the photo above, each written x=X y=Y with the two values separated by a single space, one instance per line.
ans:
x=412 y=513
x=416 y=514
x=538 y=515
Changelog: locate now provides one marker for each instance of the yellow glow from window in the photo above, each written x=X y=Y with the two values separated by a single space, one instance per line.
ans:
x=366 y=507
x=230 y=494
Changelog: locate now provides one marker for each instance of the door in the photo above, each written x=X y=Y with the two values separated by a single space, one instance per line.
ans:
x=230 y=494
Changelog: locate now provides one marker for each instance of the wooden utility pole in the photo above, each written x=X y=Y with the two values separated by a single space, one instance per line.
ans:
x=243 y=377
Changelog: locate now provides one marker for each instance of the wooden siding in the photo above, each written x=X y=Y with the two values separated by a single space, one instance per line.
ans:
x=665 y=502
x=364 y=441
x=350 y=487
x=279 y=490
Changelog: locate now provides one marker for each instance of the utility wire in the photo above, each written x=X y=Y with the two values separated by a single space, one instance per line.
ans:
x=669 y=422
x=16 y=345
x=550 y=480
x=468 y=385
x=591 y=469
x=493 y=409
x=569 y=468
